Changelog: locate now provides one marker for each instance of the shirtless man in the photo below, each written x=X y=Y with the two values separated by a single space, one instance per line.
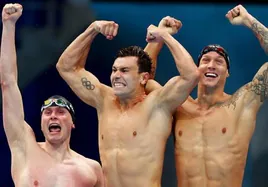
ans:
x=51 y=163
x=213 y=132
x=133 y=126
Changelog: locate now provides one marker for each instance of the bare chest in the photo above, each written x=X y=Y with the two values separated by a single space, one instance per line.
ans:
x=45 y=173
x=214 y=129
x=123 y=128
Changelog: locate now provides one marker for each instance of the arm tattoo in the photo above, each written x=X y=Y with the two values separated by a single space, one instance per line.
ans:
x=232 y=101
x=87 y=84
x=260 y=85
x=262 y=34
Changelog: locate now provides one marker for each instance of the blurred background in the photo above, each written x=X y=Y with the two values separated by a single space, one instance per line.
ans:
x=47 y=27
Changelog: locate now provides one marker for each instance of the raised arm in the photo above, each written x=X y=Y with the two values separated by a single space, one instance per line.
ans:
x=71 y=64
x=239 y=16
x=176 y=90
x=172 y=26
x=255 y=92
x=13 y=115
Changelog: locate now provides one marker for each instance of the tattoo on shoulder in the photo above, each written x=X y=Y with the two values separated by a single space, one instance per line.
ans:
x=261 y=33
x=260 y=85
x=87 y=84
x=232 y=101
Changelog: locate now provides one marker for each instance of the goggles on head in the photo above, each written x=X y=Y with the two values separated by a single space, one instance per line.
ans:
x=58 y=102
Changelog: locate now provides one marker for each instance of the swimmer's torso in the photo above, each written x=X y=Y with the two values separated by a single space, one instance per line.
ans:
x=38 y=169
x=132 y=144
x=211 y=145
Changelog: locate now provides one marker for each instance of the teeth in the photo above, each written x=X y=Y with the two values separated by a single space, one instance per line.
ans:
x=118 y=84
x=211 y=75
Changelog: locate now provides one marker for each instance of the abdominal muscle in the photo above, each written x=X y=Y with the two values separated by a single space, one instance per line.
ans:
x=214 y=169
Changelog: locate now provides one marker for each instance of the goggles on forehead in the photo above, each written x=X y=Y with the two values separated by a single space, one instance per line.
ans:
x=215 y=48
x=56 y=102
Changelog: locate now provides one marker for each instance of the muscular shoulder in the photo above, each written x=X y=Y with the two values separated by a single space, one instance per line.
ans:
x=237 y=99
x=92 y=163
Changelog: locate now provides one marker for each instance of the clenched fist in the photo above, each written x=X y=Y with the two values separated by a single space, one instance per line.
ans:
x=238 y=16
x=107 y=28
x=11 y=12
x=155 y=34
x=171 y=24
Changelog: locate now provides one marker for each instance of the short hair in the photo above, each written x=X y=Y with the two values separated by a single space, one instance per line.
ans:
x=144 y=60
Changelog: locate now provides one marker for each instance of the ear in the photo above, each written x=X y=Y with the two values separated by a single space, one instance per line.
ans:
x=144 y=78
x=73 y=126
x=227 y=74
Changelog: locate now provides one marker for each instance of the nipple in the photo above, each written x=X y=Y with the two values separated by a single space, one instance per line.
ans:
x=134 y=133
x=102 y=137
x=180 y=133
x=223 y=130
x=36 y=183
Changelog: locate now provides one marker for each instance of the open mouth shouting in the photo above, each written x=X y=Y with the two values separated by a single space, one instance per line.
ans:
x=54 y=128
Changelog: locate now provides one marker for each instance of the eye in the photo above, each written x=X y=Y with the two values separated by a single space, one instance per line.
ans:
x=125 y=70
x=47 y=112
x=205 y=60
x=61 y=111
x=218 y=61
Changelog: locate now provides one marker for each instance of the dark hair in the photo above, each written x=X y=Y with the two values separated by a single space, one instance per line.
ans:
x=68 y=105
x=144 y=60
x=218 y=49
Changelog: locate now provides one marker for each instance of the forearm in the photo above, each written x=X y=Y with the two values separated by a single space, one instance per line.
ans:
x=260 y=31
x=153 y=49
x=75 y=55
x=8 y=54
x=13 y=115
x=183 y=59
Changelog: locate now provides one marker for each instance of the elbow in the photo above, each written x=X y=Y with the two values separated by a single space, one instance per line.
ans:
x=63 y=66
x=60 y=66
x=6 y=83
x=193 y=78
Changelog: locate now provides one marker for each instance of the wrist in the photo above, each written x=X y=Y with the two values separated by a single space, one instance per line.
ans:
x=165 y=35
x=249 y=21
x=7 y=24
x=92 y=29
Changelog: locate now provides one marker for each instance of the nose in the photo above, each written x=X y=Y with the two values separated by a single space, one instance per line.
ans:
x=211 y=65
x=53 y=115
x=117 y=74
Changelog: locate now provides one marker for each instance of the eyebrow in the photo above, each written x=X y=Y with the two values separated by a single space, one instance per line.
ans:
x=120 y=67
x=218 y=57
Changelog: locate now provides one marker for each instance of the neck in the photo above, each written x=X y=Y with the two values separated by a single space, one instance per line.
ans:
x=59 y=152
x=126 y=103
x=208 y=97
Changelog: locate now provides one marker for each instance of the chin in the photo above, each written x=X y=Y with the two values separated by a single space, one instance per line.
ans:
x=119 y=93
x=210 y=83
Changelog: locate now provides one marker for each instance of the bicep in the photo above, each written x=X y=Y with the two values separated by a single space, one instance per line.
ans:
x=100 y=177
x=258 y=88
x=86 y=86
x=13 y=114
x=151 y=86
x=175 y=92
